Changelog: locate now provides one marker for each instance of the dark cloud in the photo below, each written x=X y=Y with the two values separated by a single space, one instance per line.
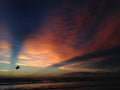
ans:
x=22 y=18
x=109 y=63
x=97 y=54
x=74 y=25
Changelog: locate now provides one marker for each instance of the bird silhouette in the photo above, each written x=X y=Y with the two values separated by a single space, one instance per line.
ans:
x=17 y=67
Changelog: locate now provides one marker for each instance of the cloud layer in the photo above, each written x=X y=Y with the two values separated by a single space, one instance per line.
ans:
x=42 y=33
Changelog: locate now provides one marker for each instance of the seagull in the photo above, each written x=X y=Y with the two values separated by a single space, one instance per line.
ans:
x=17 y=67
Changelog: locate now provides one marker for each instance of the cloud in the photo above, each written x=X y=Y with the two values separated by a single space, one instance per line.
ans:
x=97 y=54
x=5 y=70
x=111 y=62
x=22 y=19
x=63 y=32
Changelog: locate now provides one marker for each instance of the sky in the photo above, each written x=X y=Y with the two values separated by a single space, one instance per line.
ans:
x=55 y=37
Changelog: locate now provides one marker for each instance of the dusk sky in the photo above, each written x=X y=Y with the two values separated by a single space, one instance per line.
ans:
x=55 y=37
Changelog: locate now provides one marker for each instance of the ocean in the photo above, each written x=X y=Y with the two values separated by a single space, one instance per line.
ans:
x=59 y=84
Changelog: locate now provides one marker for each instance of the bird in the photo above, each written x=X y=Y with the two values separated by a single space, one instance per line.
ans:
x=17 y=67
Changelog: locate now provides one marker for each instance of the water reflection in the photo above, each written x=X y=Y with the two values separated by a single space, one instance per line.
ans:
x=43 y=85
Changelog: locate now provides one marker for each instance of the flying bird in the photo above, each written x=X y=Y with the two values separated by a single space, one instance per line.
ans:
x=17 y=67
